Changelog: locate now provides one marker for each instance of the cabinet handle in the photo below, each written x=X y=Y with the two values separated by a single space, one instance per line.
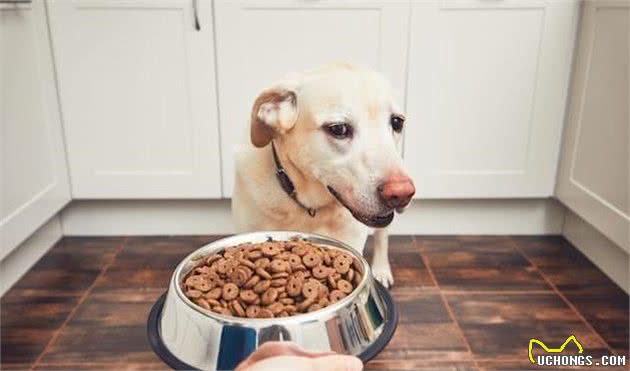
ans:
x=15 y=1
x=196 y=15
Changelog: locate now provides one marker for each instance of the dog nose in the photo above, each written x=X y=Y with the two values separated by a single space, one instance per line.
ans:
x=396 y=191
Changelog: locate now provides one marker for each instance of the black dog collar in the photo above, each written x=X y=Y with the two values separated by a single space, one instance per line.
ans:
x=287 y=184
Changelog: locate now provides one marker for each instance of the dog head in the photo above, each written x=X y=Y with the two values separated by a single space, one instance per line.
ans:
x=340 y=127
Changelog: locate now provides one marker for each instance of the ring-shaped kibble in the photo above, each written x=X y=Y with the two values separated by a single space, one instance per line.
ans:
x=212 y=258
x=301 y=307
x=204 y=286
x=247 y=263
x=215 y=293
x=331 y=282
x=294 y=286
x=213 y=302
x=193 y=280
x=203 y=270
x=294 y=260
x=320 y=272
x=278 y=265
x=252 y=282
x=194 y=294
x=327 y=259
x=341 y=264
x=262 y=286
x=263 y=273
x=324 y=302
x=310 y=289
x=311 y=260
x=336 y=295
x=237 y=308
x=262 y=263
x=279 y=282
x=238 y=277
x=222 y=266
x=270 y=250
x=213 y=278
x=286 y=301
x=254 y=254
x=252 y=311
x=299 y=250
x=314 y=307
x=202 y=303
x=269 y=296
x=350 y=275
x=284 y=255
x=276 y=308
x=265 y=313
x=222 y=310
x=248 y=296
x=280 y=275
x=323 y=291
x=230 y=291
x=248 y=271
x=344 y=286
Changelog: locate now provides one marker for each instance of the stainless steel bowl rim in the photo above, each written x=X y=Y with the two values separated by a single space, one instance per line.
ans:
x=276 y=236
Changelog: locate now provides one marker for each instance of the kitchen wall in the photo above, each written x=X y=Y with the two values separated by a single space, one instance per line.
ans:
x=129 y=110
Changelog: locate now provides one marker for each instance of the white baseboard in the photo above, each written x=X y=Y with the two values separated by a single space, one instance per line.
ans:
x=604 y=253
x=192 y=217
x=20 y=260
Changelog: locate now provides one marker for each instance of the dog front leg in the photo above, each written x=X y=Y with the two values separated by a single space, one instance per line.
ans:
x=380 y=261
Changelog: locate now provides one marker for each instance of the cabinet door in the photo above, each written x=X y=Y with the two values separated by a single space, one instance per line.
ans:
x=33 y=174
x=486 y=96
x=136 y=82
x=594 y=176
x=260 y=42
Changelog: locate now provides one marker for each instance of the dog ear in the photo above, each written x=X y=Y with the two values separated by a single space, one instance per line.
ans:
x=274 y=111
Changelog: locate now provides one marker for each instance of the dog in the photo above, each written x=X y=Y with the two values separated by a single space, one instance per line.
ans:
x=323 y=157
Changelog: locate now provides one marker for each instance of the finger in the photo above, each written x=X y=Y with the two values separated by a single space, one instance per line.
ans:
x=271 y=349
x=337 y=362
x=292 y=363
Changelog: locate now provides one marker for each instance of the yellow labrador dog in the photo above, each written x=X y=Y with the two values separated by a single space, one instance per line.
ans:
x=323 y=157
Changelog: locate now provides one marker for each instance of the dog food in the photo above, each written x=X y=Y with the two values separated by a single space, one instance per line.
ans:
x=272 y=279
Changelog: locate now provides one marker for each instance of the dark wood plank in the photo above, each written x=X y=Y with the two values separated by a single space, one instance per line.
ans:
x=499 y=327
x=71 y=266
x=473 y=263
x=425 y=333
x=109 y=328
x=112 y=321
x=595 y=296
x=42 y=299
x=149 y=262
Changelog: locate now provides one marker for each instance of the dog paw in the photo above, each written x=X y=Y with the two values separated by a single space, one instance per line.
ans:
x=383 y=274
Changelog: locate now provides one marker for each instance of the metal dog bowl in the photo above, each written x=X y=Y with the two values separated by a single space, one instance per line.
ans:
x=186 y=336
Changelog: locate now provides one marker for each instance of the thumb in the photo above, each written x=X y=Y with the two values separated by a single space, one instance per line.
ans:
x=337 y=362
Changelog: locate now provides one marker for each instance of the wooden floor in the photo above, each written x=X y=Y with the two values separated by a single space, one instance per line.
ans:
x=465 y=303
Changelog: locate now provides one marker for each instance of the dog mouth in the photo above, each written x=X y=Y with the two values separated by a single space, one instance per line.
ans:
x=374 y=221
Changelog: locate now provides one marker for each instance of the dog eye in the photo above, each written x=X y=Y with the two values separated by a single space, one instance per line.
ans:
x=339 y=130
x=397 y=123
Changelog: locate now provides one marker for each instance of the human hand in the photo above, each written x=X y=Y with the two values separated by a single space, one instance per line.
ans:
x=281 y=356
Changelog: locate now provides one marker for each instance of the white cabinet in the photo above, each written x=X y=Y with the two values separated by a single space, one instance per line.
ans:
x=594 y=176
x=259 y=42
x=486 y=96
x=136 y=83
x=33 y=177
